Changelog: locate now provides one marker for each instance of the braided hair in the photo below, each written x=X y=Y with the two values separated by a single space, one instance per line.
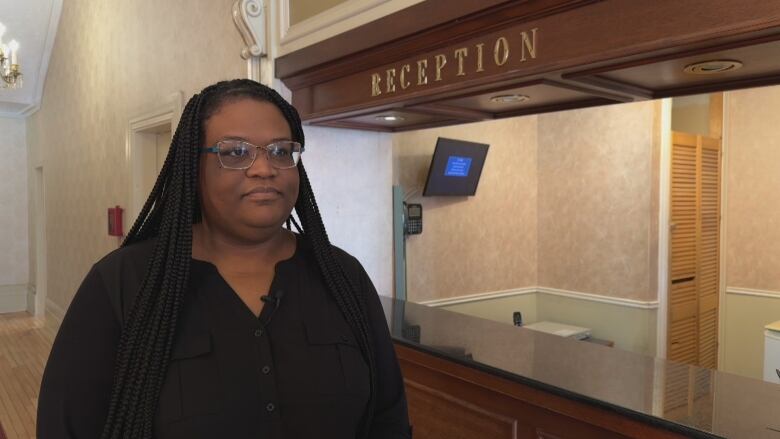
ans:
x=168 y=215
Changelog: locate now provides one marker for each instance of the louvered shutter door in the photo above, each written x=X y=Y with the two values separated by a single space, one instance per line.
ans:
x=709 y=254
x=683 y=300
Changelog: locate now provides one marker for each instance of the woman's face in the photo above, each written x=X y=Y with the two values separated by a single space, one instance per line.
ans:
x=245 y=202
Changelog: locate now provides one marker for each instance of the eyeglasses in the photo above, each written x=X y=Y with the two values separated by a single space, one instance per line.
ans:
x=238 y=154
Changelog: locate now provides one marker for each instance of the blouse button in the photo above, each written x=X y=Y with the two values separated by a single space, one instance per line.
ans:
x=270 y=407
x=258 y=332
x=266 y=370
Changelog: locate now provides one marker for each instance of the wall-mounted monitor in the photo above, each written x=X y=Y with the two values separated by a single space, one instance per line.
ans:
x=455 y=169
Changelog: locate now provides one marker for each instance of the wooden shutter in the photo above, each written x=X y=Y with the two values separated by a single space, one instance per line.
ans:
x=695 y=250
x=683 y=300
x=709 y=252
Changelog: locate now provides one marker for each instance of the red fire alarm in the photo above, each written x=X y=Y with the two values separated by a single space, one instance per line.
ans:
x=115 y=221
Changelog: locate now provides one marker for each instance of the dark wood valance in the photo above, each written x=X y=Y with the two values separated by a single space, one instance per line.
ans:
x=445 y=62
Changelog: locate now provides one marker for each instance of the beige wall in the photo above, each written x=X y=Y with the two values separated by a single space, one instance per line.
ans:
x=691 y=114
x=14 y=235
x=595 y=208
x=14 y=202
x=115 y=60
x=567 y=201
x=752 y=215
x=351 y=173
x=303 y=9
x=473 y=244
x=753 y=173
x=111 y=61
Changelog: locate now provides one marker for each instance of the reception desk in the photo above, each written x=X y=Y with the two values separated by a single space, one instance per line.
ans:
x=468 y=377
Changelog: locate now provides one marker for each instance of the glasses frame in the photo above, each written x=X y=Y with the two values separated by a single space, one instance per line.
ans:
x=215 y=149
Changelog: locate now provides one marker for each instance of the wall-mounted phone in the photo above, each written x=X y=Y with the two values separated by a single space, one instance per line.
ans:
x=413 y=224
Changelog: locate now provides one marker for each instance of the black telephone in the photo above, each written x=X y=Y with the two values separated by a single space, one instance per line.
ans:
x=413 y=221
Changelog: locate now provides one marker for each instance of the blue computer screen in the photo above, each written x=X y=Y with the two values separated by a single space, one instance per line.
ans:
x=457 y=166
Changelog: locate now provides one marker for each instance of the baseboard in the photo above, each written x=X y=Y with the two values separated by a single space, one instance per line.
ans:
x=753 y=292
x=55 y=311
x=631 y=303
x=13 y=298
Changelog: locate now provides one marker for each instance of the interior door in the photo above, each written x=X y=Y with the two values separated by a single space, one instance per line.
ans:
x=694 y=250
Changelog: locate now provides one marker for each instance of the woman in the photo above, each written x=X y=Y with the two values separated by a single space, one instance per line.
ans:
x=214 y=321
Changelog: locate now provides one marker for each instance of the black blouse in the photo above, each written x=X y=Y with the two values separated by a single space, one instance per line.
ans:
x=294 y=372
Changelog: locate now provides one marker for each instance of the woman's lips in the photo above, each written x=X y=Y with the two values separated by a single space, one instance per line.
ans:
x=263 y=194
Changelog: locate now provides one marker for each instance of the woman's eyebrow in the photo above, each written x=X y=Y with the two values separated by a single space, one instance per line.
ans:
x=234 y=138
x=243 y=139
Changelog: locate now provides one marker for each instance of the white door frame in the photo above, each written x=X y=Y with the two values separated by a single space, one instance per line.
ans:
x=139 y=154
x=724 y=160
x=664 y=207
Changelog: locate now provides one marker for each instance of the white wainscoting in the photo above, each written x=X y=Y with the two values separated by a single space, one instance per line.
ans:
x=630 y=323
x=745 y=313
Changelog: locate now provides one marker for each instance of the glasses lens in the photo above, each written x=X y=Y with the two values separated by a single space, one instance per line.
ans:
x=284 y=154
x=236 y=154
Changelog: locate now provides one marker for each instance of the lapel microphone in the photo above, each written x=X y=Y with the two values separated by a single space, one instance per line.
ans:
x=274 y=298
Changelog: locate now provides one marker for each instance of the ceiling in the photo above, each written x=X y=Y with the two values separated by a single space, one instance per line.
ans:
x=34 y=24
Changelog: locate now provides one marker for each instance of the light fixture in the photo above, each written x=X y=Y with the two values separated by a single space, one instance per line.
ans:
x=712 y=67
x=390 y=118
x=509 y=99
x=9 y=62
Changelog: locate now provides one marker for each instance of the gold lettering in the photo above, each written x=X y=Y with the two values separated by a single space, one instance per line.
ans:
x=375 y=80
x=501 y=51
x=460 y=54
x=404 y=83
x=422 y=64
x=391 y=80
x=441 y=61
x=479 y=57
x=529 y=44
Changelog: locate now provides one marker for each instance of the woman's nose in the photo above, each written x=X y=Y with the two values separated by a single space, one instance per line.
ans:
x=261 y=167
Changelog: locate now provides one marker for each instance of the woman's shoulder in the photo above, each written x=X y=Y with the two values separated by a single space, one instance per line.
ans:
x=122 y=271
x=134 y=254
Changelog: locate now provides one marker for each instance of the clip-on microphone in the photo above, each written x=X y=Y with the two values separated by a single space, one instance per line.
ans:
x=274 y=298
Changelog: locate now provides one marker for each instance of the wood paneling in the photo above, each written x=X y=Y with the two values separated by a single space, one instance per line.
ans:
x=450 y=400
x=463 y=419
x=584 y=53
